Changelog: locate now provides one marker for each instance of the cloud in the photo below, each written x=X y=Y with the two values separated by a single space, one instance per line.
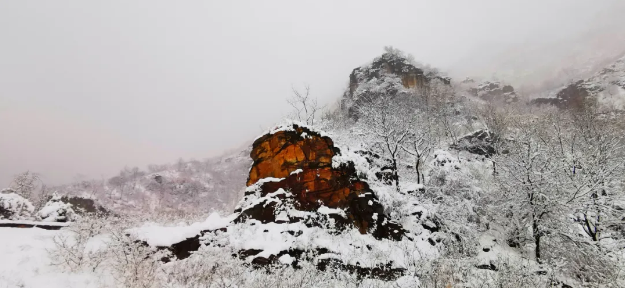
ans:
x=119 y=83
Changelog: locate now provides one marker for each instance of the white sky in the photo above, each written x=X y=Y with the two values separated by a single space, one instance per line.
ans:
x=89 y=87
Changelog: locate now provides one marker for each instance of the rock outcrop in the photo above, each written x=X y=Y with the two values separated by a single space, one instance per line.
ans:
x=299 y=162
x=495 y=92
x=573 y=96
x=480 y=142
x=391 y=74
x=307 y=201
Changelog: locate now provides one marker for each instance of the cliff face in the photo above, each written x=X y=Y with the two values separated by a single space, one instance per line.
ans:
x=495 y=92
x=293 y=171
x=394 y=64
x=390 y=74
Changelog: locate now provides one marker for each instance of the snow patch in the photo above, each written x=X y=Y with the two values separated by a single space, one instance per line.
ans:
x=160 y=236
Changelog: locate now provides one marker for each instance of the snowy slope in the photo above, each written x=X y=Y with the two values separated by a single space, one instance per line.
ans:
x=193 y=186
x=25 y=262
x=608 y=85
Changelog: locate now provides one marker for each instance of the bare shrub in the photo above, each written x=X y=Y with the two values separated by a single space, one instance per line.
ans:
x=132 y=263
x=70 y=245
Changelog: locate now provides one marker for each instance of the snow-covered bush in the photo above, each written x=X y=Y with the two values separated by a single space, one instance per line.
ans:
x=57 y=211
x=132 y=263
x=77 y=246
x=15 y=207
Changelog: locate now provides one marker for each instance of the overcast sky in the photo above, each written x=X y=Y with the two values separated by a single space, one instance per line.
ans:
x=88 y=87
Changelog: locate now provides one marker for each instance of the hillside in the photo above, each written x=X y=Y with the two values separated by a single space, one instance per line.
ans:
x=416 y=180
x=605 y=88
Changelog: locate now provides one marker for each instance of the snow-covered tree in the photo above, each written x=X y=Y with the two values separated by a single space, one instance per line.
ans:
x=25 y=184
x=527 y=174
x=419 y=143
x=57 y=211
x=14 y=206
x=386 y=125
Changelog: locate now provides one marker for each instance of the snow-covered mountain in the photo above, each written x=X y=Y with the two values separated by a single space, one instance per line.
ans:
x=193 y=186
x=410 y=183
x=606 y=88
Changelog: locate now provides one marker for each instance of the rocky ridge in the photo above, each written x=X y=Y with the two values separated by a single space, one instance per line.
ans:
x=606 y=89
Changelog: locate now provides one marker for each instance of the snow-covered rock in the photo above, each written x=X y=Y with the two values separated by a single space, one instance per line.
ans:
x=57 y=211
x=15 y=207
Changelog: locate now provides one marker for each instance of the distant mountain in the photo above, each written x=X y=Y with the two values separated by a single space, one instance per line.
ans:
x=606 y=88
x=193 y=186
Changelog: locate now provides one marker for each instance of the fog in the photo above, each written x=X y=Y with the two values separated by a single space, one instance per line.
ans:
x=88 y=88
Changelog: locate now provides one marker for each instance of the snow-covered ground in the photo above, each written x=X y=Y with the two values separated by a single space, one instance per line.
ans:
x=25 y=262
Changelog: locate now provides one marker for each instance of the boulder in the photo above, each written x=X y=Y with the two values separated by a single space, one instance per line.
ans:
x=293 y=169
x=495 y=92
x=480 y=142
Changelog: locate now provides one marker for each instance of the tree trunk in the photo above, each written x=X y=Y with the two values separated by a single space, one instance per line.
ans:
x=395 y=173
x=536 y=233
x=418 y=172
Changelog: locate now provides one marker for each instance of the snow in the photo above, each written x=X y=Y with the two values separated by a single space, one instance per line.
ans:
x=407 y=281
x=288 y=125
x=17 y=206
x=286 y=259
x=348 y=155
x=256 y=186
x=160 y=236
x=350 y=246
x=25 y=262
x=443 y=159
x=412 y=187
x=327 y=211
x=296 y=171
x=56 y=211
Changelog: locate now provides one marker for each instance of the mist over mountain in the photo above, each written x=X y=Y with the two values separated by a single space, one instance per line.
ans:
x=149 y=89
x=284 y=144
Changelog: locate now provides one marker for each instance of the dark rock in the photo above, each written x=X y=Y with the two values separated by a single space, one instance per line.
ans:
x=480 y=142
x=183 y=249
x=495 y=92
x=32 y=225
x=490 y=266
x=574 y=96
x=158 y=178
x=84 y=206
x=382 y=272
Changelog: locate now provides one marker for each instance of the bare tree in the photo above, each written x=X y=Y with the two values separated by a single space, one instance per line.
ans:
x=389 y=127
x=305 y=106
x=418 y=145
x=25 y=184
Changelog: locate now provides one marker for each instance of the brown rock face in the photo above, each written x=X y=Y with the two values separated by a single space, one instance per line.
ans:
x=304 y=159
x=277 y=155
